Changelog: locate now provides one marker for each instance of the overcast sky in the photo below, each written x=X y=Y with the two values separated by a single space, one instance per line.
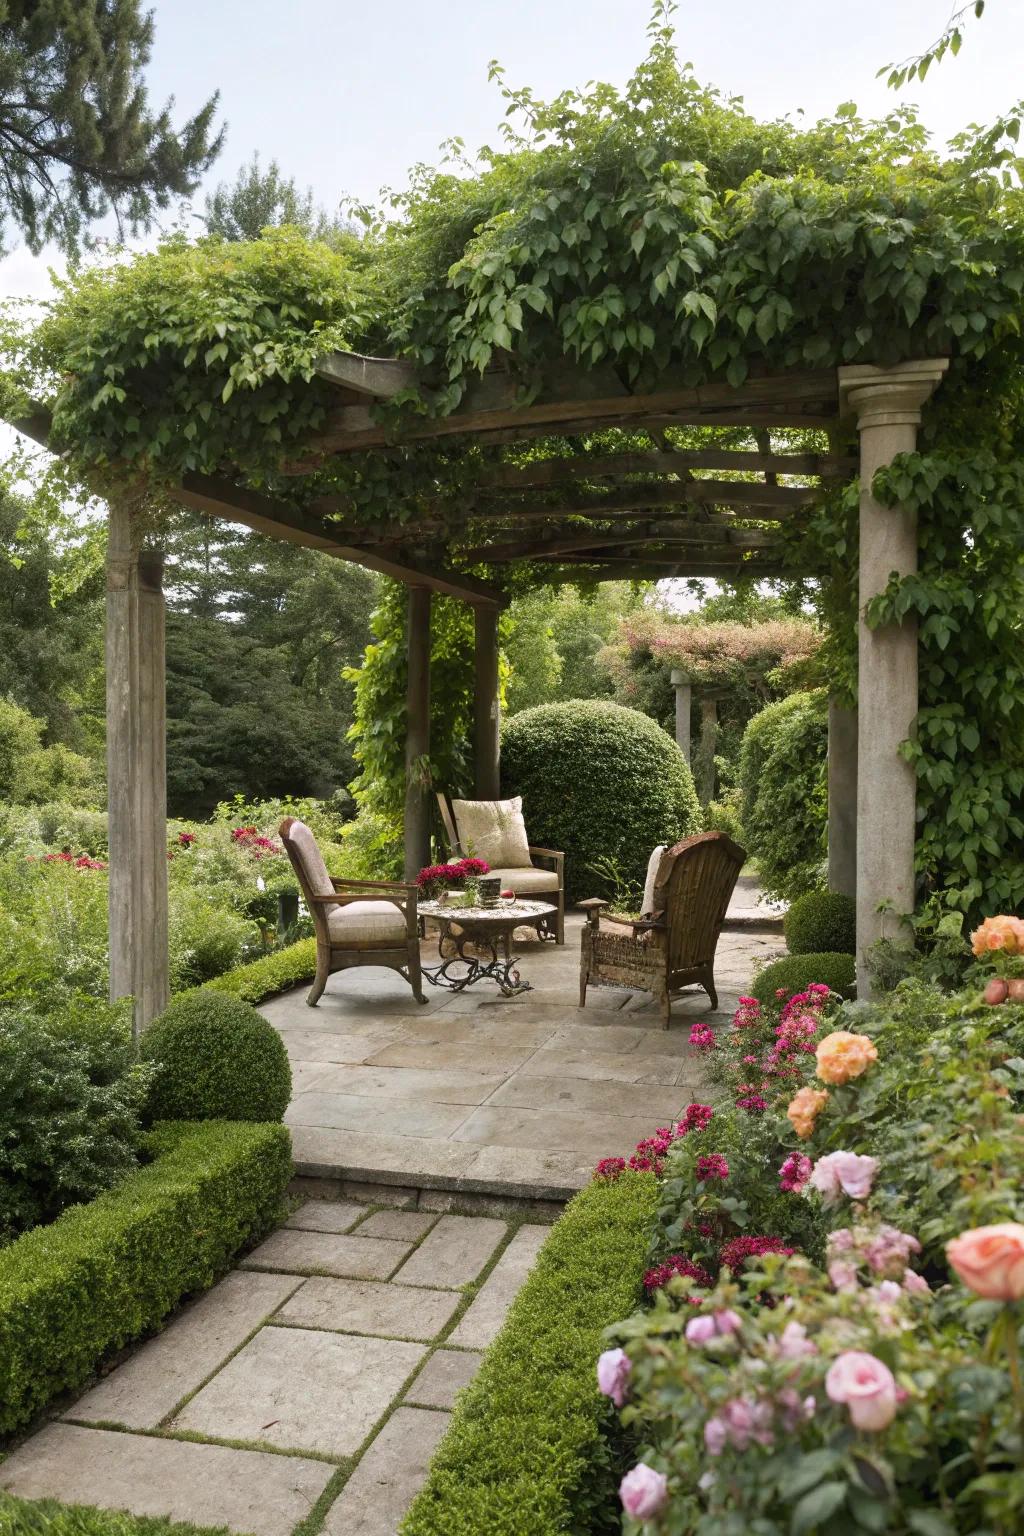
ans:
x=347 y=96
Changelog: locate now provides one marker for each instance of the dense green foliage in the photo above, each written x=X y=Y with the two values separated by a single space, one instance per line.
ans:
x=784 y=793
x=821 y=921
x=526 y=1450
x=106 y=1272
x=795 y=972
x=79 y=135
x=216 y=1058
x=31 y=773
x=273 y=973
x=44 y=1517
x=600 y=782
x=70 y=1106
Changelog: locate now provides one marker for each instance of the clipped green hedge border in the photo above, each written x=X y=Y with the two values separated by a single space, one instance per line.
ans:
x=525 y=1450
x=271 y=974
x=106 y=1272
x=44 y=1517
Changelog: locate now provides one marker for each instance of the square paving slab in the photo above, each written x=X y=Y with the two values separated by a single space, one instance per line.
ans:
x=367 y=1306
x=389 y=1476
x=326 y=1216
x=444 y=1375
x=302 y=1390
x=308 y=1253
x=251 y=1491
x=454 y=1252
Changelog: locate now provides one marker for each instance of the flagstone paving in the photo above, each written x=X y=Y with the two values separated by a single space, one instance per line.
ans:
x=296 y=1386
x=484 y=1094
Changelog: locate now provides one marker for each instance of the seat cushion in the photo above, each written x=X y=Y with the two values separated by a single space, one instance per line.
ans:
x=527 y=882
x=493 y=830
x=366 y=922
x=652 y=875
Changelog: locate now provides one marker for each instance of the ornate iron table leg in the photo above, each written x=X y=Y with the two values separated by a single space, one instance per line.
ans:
x=459 y=970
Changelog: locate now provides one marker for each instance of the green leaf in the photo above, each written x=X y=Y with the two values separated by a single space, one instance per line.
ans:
x=807 y=1472
x=817 y=1506
x=929 y=1522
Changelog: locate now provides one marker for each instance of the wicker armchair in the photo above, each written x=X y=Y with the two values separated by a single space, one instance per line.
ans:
x=674 y=944
x=357 y=922
x=539 y=876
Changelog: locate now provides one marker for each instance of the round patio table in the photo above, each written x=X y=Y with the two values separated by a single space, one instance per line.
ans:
x=475 y=943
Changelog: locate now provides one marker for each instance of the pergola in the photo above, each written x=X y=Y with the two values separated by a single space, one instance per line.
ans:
x=581 y=511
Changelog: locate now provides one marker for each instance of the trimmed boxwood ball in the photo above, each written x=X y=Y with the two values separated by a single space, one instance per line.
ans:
x=218 y=1059
x=796 y=972
x=821 y=921
x=601 y=782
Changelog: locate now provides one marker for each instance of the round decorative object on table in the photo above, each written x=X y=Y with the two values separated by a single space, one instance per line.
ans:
x=475 y=943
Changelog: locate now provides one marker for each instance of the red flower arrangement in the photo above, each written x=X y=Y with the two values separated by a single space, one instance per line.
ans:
x=451 y=874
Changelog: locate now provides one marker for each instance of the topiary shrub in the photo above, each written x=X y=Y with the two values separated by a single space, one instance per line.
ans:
x=602 y=782
x=796 y=972
x=784 y=793
x=216 y=1059
x=821 y=921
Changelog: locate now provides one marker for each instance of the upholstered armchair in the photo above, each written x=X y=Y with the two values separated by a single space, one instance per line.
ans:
x=494 y=830
x=357 y=922
x=673 y=943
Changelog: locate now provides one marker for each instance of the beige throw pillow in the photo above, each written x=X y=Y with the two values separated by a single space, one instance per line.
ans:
x=493 y=830
x=652 y=875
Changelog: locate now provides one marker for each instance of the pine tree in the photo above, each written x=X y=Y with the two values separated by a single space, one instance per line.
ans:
x=78 y=138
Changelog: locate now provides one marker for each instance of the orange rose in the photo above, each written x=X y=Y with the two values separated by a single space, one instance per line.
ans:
x=842 y=1056
x=805 y=1107
x=999 y=932
x=990 y=1260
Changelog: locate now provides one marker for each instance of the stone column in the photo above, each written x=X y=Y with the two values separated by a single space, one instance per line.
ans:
x=684 y=699
x=887 y=405
x=486 y=704
x=842 y=798
x=136 y=770
x=704 y=773
x=417 y=734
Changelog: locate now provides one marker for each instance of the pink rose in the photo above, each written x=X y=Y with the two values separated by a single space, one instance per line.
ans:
x=843 y=1173
x=643 y=1491
x=990 y=1260
x=700 y=1330
x=716 y=1436
x=843 y=1275
x=613 y=1368
x=867 y=1387
x=794 y=1343
x=728 y=1321
x=915 y=1285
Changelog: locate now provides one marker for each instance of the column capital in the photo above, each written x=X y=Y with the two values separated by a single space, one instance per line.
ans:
x=884 y=397
x=679 y=678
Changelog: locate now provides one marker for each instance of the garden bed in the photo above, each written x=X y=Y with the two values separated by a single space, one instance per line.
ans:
x=106 y=1272
x=527 y=1450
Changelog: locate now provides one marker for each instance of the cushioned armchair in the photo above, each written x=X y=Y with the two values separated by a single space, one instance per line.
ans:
x=494 y=830
x=673 y=944
x=357 y=922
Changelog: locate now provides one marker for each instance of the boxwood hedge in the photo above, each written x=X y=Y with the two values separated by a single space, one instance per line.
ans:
x=526 y=1450
x=795 y=972
x=604 y=783
x=271 y=974
x=106 y=1272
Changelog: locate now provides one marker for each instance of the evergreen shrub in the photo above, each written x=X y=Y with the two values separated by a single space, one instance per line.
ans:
x=783 y=793
x=216 y=1059
x=795 y=973
x=602 y=782
x=821 y=921
x=104 y=1273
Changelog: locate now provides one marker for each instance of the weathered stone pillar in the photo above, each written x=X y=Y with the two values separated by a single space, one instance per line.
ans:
x=486 y=704
x=887 y=405
x=842 y=798
x=136 y=770
x=704 y=767
x=417 y=734
x=684 y=699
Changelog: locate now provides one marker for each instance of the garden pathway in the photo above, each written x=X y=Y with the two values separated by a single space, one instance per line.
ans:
x=307 y=1391
x=500 y=1097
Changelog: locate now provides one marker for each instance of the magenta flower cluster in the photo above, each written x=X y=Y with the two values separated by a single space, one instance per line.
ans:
x=678 y=1264
x=249 y=838
x=649 y=1156
x=738 y=1250
x=451 y=874
x=712 y=1165
x=83 y=860
x=703 y=1037
x=795 y=1173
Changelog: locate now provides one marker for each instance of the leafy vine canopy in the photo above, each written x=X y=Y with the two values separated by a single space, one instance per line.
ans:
x=659 y=230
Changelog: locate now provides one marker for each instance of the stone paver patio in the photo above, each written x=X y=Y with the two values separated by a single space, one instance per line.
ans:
x=297 y=1384
x=477 y=1093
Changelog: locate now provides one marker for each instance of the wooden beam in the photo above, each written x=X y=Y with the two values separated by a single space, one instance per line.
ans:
x=574 y=397
x=633 y=570
x=557 y=471
x=780 y=499
x=668 y=533
x=219 y=498
x=381 y=377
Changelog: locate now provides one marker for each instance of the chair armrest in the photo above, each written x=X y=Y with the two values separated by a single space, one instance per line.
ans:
x=593 y=907
x=546 y=853
x=370 y=885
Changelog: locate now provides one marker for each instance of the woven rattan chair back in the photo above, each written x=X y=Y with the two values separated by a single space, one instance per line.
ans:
x=695 y=882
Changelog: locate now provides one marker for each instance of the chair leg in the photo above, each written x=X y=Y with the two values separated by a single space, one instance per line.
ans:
x=560 y=918
x=709 y=985
x=583 y=988
x=666 y=1009
x=323 y=970
x=415 y=973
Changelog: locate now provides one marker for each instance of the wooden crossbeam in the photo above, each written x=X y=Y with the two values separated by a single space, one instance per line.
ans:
x=779 y=499
x=220 y=498
x=669 y=532
x=572 y=398
x=644 y=570
x=612 y=466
